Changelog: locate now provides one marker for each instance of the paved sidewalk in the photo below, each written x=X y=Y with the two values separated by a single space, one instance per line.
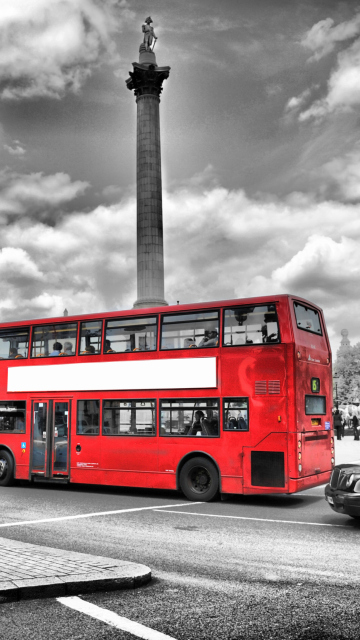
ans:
x=347 y=450
x=32 y=571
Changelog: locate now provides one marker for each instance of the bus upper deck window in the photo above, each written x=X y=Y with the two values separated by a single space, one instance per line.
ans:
x=130 y=334
x=251 y=325
x=190 y=330
x=90 y=337
x=54 y=340
x=307 y=319
x=14 y=343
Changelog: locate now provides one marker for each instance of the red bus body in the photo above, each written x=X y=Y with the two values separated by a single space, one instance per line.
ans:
x=275 y=378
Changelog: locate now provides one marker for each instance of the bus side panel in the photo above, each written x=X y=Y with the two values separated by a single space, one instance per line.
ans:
x=14 y=443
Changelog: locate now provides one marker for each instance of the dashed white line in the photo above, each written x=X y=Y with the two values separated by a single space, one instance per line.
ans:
x=93 y=515
x=113 y=619
x=212 y=515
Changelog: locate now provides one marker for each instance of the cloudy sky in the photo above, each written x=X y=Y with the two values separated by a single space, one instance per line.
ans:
x=260 y=150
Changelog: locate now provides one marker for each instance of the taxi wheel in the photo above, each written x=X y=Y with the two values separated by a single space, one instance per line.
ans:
x=199 y=479
x=6 y=469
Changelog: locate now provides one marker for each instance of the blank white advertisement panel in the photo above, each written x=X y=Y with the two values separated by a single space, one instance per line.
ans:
x=178 y=373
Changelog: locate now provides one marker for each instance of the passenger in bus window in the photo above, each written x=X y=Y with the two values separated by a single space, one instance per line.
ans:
x=89 y=350
x=210 y=339
x=57 y=348
x=189 y=343
x=20 y=424
x=13 y=353
x=67 y=349
x=107 y=348
x=196 y=425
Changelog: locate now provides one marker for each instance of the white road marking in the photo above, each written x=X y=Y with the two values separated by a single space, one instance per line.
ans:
x=112 y=619
x=93 y=515
x=212 y=515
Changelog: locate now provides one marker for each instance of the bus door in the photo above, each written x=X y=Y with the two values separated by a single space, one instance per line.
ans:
x=50 y=438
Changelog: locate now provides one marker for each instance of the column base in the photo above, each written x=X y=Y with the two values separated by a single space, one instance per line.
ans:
x=144 y=303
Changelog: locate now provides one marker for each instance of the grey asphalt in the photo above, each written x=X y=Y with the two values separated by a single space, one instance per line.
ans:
x=34 y=571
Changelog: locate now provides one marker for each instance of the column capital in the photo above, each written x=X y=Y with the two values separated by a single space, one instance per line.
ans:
x=147 y=79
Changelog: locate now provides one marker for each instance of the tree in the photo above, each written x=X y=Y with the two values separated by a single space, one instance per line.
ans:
x=347 y=375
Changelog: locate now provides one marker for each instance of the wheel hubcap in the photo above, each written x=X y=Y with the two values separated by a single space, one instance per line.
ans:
x=200 y=480
x=3 y=467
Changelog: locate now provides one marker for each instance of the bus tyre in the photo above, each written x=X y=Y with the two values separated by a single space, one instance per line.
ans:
x=6 y=469
x=199 y=479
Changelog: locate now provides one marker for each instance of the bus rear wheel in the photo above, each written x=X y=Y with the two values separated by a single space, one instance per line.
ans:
x=6 y=469
x=199 y=479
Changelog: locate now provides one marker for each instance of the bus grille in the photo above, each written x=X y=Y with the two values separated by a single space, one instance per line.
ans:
x=274 y=386
x=267 y=469
x=260 y=387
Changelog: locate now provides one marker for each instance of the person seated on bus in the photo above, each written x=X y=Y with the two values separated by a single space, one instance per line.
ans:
x=89 y=350
x=108 y=349
x=67 y=349
x=196 y=425
x=200 y=426
x=57 y=348
x=189 y=343
x=13 y=353
x=210 y=339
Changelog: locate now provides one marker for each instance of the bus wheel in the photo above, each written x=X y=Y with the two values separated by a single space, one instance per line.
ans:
x=6 y=469
x=199 y=479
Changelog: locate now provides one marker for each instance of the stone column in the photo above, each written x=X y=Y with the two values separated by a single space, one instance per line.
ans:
x=146 y=81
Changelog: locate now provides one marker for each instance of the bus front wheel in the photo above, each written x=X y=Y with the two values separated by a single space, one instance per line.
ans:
x=6 y=469
x=199 y=479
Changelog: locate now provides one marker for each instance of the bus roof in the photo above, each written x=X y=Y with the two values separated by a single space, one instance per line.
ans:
x=155 y=310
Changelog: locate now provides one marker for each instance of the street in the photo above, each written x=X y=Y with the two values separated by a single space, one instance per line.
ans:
x=245 y=567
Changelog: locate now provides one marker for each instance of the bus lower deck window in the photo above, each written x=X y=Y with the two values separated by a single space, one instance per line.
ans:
x=189 y=417
x=88 y=417
x=236 y=414
x=12 y=416
x=129 y=418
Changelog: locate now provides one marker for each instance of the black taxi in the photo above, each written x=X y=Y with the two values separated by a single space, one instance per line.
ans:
x=343 y=491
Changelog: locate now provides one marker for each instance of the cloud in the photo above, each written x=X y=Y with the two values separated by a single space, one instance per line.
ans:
x=224 y=245
x=343 y=86
x=17 y=149
x=24 y=193
x=344 y=173
x=324 y=35
x=50 y=47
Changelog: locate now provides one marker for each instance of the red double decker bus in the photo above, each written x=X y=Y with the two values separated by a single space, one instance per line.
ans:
x=231 y=397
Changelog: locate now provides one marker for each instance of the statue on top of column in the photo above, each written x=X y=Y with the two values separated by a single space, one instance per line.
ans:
x=149 y=34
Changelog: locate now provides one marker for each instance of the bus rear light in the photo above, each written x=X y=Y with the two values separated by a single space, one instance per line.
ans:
x=315 y=422
x=299 y=456
x=332 y=452
x=299 y=444
x=332 y=460
x=299 y=355
x=327 y=360
x=300 y=467
x=331 y=441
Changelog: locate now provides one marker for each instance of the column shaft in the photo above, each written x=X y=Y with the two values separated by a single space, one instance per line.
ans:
x=150 y=261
